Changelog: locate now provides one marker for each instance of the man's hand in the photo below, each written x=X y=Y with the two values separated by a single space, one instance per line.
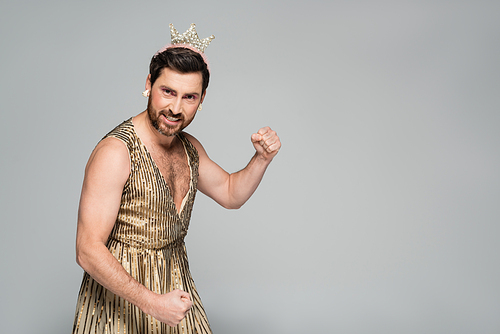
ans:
x=171 y=308
x=266 y=143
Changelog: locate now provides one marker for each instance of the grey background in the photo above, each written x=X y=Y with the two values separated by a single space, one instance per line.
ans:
x=379 y=215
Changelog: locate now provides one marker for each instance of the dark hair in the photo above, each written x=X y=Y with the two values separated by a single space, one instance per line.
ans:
x=182 y=60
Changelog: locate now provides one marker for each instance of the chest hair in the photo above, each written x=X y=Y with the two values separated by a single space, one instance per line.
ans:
x=173 y=165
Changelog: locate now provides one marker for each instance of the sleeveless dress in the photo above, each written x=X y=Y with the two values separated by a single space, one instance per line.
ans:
x=148 y=240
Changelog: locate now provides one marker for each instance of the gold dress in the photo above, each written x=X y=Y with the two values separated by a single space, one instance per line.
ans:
x=148 y=240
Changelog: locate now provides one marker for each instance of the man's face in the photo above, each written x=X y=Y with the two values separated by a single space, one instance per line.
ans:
x=173 y=100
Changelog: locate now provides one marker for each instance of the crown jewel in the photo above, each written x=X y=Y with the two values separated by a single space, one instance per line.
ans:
x=190 y=37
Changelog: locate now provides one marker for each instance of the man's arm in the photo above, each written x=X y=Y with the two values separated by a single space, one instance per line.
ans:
x=105 y=175
x=233 y=190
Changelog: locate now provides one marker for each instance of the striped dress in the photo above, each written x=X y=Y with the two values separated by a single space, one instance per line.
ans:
x=148 y=240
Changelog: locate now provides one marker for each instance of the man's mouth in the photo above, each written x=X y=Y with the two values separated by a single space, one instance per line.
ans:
x=171 y=118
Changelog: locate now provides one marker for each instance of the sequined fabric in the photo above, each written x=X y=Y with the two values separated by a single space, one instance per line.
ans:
x=148 y=240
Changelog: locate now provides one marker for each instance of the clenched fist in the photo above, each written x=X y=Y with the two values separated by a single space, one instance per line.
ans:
x=266 y=142
x=171 y=307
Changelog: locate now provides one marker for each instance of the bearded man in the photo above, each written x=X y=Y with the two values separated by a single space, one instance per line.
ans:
x=138 y=191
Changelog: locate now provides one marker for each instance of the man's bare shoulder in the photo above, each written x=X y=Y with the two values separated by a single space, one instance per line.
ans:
x=110 y=156
x=196 y=143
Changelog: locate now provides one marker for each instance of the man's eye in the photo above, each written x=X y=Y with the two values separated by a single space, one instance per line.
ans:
x=167 y=91
x=190 y=97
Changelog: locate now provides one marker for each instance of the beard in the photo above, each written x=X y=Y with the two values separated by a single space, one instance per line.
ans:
x=164 y=128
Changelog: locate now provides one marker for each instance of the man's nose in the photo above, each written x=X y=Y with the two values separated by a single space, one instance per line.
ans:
x=177 y=105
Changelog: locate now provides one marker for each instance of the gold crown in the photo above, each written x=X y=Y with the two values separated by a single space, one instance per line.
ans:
x=190 y=37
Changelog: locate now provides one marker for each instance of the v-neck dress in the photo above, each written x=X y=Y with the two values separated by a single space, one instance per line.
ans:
x=148 y=240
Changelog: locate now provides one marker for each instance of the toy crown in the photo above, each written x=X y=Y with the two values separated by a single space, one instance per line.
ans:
x=190 y=37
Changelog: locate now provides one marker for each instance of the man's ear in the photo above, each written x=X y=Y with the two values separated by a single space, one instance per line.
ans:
x=203 y=96
x=148 y=82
